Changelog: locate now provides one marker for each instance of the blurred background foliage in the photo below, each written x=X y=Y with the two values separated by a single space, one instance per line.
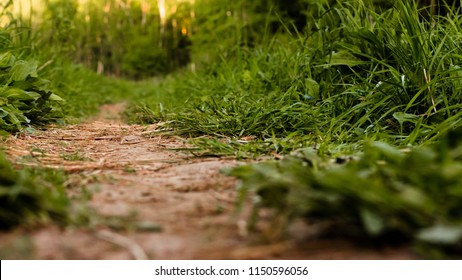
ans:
x=142 y=38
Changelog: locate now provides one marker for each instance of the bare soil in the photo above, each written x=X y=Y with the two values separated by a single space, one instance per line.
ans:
x=160 y=201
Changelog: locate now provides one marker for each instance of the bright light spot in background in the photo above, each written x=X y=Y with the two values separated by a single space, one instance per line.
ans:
x=107 y=8
x=169 y=7
x=162 y=11
x=23 y=7
x=145 y=7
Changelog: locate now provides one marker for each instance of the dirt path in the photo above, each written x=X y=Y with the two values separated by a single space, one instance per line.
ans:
x=159 y=203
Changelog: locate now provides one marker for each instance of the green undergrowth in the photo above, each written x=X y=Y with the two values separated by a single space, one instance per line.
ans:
x=84 y=91
x=357 y=104
x=25 y=98
x=376 y=88
x=355 y=74
x=381 y=195
x=39 y=84
x=39 y=87
x=31 y=197
x=34 y=197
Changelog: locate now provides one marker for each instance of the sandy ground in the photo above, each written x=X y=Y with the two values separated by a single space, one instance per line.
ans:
x=160 y=201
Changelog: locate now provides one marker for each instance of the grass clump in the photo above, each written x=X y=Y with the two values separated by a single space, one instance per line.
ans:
x=385 y=194
x=355 y=73
x=31 y=196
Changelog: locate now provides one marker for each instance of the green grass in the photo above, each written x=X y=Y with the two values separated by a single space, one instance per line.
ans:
x=359 y=83
x=390 y=76
x=377 y=86
x=84 y=91
x=31 y=197
x=384 y=195
x=38 y=87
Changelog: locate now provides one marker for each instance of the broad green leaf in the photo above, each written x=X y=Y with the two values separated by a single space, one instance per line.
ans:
x=372 y=222
x=55 y=97
x=40 y=84
x=312 y=88
x=441 y=234
x=6 y=59
x=3 y=113
x=30 y=130
x=343 y=58
x=19 y=94
x=22 y=69
x=415 y=197
x=12 y=118
x=402 y=117
x=3 y=101
x=387 y=150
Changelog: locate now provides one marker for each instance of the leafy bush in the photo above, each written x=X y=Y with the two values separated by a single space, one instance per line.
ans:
x=30 y=197
x=25 y=98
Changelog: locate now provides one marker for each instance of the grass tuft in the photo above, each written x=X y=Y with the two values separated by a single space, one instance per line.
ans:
x=31 y=197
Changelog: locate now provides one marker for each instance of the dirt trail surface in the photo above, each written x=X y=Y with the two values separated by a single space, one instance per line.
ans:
x=159 y=202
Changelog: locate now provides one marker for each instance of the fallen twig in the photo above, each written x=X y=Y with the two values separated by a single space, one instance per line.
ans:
x=122 y=241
